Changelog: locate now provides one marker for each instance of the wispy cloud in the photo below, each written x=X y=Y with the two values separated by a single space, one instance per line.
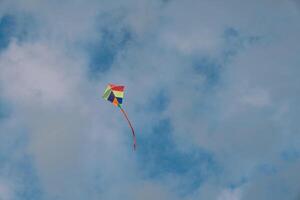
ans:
x=212 y=89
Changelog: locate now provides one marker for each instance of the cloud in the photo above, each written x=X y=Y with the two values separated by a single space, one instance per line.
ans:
x=229 y=195
x=6 y=192
x=212 y=89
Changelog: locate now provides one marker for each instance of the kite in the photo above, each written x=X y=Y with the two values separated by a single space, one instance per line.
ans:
x=115 y=94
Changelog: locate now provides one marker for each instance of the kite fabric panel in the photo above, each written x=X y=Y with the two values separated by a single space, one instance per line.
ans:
x=114 y=94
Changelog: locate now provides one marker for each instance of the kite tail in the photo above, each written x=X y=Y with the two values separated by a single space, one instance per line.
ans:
x=133 y=134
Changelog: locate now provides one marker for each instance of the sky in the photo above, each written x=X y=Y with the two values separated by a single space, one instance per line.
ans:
x=212 y=89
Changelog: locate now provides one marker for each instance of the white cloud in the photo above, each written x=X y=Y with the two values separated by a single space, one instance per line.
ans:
x=256 y=97
x=6 y=192
x=229 y=194
x=77 y=140
x=34 y=72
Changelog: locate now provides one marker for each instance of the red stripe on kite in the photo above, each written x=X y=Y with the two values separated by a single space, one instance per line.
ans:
x=118 y=88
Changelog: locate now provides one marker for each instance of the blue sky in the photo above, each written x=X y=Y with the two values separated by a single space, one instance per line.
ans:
x=212 y=89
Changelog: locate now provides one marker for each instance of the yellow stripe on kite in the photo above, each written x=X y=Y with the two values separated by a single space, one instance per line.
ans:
x=118 y=94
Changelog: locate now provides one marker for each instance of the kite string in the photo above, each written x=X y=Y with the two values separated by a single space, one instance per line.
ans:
x=133 y=134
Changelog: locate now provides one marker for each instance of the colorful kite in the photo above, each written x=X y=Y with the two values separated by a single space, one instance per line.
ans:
x=115 y=94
